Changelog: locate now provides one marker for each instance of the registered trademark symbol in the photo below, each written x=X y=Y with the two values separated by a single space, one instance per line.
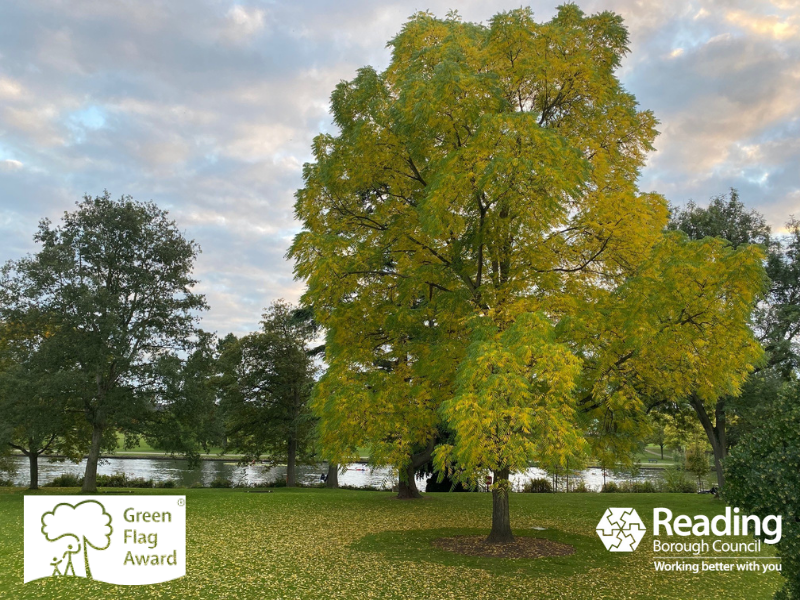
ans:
x=181 y=502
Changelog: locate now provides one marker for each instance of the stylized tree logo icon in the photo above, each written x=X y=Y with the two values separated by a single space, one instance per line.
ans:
x=87 y=522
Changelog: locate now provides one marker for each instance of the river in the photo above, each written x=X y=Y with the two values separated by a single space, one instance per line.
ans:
x=356 y=475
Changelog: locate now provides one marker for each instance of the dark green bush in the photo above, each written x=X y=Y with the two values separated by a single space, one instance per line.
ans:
x=139 y=482
x=763 y=477
x=168 y=484
x=221 y=482
x=65 y=480
x=117 y=480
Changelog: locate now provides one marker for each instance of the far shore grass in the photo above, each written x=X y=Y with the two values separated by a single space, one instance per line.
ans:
x=318 y=543
x=649 y=458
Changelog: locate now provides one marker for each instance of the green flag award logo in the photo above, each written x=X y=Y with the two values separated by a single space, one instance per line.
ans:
x=136 y=540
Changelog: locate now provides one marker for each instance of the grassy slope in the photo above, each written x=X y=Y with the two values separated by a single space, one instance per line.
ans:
x=346 y=544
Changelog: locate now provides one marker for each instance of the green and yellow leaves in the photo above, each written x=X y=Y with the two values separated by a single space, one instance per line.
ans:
x=513 y=401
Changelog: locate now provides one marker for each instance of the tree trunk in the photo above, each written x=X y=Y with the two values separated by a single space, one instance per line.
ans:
x=90 y=475
x=33 y=460
x=332 y=480
x=501 y=517
x=291 y=463
x=407 y=490
x=715 y=432
x=662 y=451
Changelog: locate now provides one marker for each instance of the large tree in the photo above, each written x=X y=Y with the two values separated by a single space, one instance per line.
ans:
x=113 y=281
x=477 y=249
x=266 y=384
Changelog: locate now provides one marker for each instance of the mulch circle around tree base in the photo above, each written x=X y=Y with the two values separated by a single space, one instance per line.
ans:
x=521 y=547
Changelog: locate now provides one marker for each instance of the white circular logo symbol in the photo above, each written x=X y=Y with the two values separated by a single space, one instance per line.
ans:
x=620 y=529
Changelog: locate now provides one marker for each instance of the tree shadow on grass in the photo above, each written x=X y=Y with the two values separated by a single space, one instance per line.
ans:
x=417 y=545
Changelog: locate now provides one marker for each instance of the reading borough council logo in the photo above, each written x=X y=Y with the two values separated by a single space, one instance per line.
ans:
x=620 y=529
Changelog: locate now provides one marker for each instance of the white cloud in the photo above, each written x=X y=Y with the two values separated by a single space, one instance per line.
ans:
x=243 y=23
x=209 y=108
x=772 y=26
x=10 y=164
x=9 y=89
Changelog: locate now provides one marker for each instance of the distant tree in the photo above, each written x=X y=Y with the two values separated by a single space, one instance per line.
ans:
x=657 y=436
x=775 y=320
x=725 y=217
x=696 y=457
x=114 y=283
x=268 y=382
x=186 y=418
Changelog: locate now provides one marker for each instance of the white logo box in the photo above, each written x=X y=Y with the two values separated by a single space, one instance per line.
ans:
x=125 y=540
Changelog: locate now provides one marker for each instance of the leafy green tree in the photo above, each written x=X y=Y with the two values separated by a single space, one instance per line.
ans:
x=34 y=398
x=776 y=319
x=187 y=418
x=725 y=217
x=658 y=433
x=113 y=282
x=268 y=381
x=696 y=457
x=477 y=250
x=763 y=475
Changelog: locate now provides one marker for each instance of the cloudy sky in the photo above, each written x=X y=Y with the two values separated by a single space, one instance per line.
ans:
x=208 y=107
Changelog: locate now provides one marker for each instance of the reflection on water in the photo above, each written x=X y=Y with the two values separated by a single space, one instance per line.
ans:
x=356 y=475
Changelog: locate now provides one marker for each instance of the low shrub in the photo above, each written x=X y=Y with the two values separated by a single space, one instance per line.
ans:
x=580 y=488
x=138 y=482
x=116 y=480
x=168 y=484
x=65 y=480
x=676 y=481
x=121 y=480
x=609 y=487
x=221 y=482
x=366 y=488
x=637 y=487
x=538 y=486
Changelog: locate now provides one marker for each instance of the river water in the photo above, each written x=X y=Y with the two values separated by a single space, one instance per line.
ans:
x=356 y=475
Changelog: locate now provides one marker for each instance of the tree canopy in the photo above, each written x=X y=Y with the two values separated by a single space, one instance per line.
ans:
x=477 y=249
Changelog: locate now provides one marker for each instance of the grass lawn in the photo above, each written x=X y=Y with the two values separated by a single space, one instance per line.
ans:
x=144 y=449
x=317 y=543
